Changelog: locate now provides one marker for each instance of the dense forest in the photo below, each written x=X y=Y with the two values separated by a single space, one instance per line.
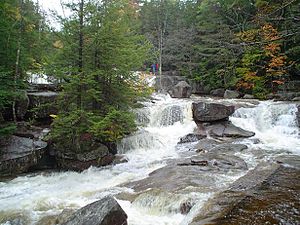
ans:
x=247 y=45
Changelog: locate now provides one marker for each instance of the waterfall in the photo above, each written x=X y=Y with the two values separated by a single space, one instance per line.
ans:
x=274 y=123
x=162 y=122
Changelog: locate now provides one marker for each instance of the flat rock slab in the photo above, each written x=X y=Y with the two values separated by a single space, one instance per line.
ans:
x=269 y=194
x=227 y=129
x=106 y=211
x=199 y=171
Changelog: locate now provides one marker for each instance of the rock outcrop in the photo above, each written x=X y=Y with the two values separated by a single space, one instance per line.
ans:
x=181 y=90
x=106 y=211
x=21 y=153
x=79 y=161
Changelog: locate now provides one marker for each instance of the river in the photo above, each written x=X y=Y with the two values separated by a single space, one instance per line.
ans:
x=31 y=198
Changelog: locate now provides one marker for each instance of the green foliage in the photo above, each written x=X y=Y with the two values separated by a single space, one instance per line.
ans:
x=114 y=126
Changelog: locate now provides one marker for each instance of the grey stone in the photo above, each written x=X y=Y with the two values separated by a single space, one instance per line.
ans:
x=247 y=96
x=166 y=83
x=79 y=161
x=209 y=112
x=218 y=92
x=181 y=90
x=106 y=211
x=227 y=129
x=20 y=154
x=231 y=94
x=206 y=144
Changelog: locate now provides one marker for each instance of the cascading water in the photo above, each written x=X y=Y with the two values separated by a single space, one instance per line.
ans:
x=275 y=125
x=28 y=199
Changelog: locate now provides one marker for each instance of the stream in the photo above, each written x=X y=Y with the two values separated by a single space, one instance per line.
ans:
x=39 y=197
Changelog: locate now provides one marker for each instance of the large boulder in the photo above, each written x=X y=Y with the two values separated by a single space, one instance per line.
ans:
x=106 y=211
x=42 y=104
x=166 y=83
x=181 y=90
x=231 y=94
x=218 y=92
x=19 y=154
x=209 y=112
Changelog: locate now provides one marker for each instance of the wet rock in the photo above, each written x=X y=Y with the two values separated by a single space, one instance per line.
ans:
x=181 y=90
x=82 y=161
x=247 y=96
x=296 y=99
x=267 y=194
x=20 y=154
x=227 y=129
x=209 y=112
x=185 y=207
x=298 y=115
x=191 y=138
x=118 y=159
x=42 y=104
x=228 y=148
x=106 y=211
x=218 y=92
x=219 y=161
x=206 y=144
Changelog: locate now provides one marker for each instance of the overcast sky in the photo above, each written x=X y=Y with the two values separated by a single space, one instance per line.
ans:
x=49 y=5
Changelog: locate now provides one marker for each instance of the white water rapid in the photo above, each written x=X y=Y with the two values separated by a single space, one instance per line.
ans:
x=31 y=198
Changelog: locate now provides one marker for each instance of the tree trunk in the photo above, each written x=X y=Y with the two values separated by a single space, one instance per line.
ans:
x=17 y=64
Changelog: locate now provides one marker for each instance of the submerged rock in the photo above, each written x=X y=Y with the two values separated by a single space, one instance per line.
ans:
x=106 y=211
x=181 y=90
x=210 y=112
